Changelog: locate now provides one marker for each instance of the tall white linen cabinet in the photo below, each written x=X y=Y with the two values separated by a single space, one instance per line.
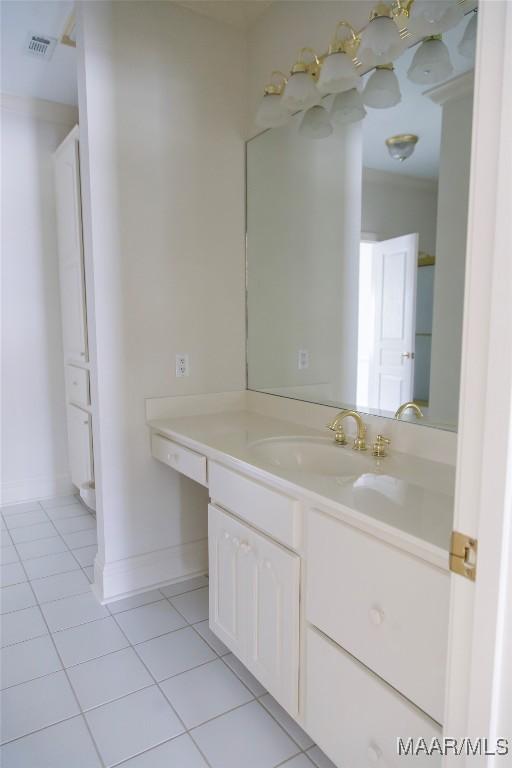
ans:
x=74 y=314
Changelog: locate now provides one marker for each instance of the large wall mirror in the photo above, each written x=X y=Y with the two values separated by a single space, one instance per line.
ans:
x=356 y=251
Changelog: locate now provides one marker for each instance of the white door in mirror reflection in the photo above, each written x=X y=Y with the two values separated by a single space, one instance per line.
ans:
x=386 y=334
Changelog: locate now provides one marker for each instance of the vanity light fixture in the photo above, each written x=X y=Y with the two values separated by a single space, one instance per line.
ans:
x=381 y=41
x=382 y=89
x=402 y=146
x=431 y=63
x=315 y=124
x=354 y=53
x=467 y=45
x=300 y=91
x=347 y=107
x=430 y=17
x=338 y=72
x=271 y=112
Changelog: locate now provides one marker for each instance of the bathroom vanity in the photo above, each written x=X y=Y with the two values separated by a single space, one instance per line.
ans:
x=329 y=574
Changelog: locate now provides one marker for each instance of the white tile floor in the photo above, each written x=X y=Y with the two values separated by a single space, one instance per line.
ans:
x=142 y=683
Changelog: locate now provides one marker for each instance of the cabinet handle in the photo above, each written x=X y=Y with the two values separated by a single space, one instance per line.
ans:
x=374 y=753
x=267 y=564
x=376 y=616
x=245 y=547
x=236 y=541
x=226 y=535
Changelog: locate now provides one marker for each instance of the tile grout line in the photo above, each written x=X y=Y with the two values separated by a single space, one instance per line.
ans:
x=70 y=686
x=162 y=693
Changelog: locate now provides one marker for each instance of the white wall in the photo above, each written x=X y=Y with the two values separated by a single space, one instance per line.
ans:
x=162 y=105
x=457 y=100
x=34 y=442
x=395 y=204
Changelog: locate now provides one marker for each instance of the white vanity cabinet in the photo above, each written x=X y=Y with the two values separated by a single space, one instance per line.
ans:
x=254 y=603
x=344 y=626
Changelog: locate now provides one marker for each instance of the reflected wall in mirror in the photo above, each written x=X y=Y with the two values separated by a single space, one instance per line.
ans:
x=356 y=259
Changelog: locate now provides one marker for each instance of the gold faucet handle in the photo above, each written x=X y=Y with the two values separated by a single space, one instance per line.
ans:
x=339 y=435
x=379 y=446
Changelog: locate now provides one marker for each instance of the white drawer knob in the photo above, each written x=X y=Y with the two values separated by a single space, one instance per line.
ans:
x=226 y=535
x=374 y=753
x=376 y=616
x=245 y=547
x=236 y=541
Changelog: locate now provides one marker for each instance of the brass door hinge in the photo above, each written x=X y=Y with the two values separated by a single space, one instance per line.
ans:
x=463 y=554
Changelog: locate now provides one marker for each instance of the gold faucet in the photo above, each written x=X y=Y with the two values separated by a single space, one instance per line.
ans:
x=406 y=406
x=337 y=427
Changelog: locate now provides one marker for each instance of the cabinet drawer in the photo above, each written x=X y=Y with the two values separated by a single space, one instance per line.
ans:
x=266 y=509
x=181 y=459
x=77 y=385
x=385 y=607
x=354 y=716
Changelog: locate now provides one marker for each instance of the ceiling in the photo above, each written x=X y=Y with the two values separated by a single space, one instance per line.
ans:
x=416 y=113
x=26 y=75
x=238 y=13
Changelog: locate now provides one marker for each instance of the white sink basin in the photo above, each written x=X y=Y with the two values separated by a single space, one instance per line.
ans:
x=313 y=455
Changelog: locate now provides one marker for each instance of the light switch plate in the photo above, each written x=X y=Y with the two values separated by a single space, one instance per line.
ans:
x=302 y=359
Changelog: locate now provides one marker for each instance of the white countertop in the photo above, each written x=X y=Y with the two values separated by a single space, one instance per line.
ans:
x=403 y=499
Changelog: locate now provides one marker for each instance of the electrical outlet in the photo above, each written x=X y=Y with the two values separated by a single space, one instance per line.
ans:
x=181 y=366
x=302 y=359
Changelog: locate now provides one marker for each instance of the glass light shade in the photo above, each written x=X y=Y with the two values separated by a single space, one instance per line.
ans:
x=271 y=112
x=300 y=92
x=347 y=107
x=382 y=90
x=432 y=17
x=431 y=63
x=380 y=42
x=316 y=124
x=401 y=147
x=338 y=73
x=467 y=45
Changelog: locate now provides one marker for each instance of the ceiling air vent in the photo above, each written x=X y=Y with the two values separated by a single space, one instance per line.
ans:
x=41 y=46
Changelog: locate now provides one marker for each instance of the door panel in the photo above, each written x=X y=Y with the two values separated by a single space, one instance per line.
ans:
x=391 y=368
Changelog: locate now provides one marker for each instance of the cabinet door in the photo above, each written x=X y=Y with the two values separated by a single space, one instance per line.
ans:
x=227 y=579
x=69 y=229
x=254 y=603
x=272 y=653
x=79 y=445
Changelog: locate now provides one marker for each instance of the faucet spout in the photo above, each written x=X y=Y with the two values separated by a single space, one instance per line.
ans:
x=337 y=427
x=409 y=406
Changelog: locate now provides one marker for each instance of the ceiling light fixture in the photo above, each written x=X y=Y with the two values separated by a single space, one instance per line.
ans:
x=431 y=63
x=402 y=146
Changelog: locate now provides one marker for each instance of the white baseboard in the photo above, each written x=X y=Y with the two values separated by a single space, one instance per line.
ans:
x=128 y=577
x=32 y=488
